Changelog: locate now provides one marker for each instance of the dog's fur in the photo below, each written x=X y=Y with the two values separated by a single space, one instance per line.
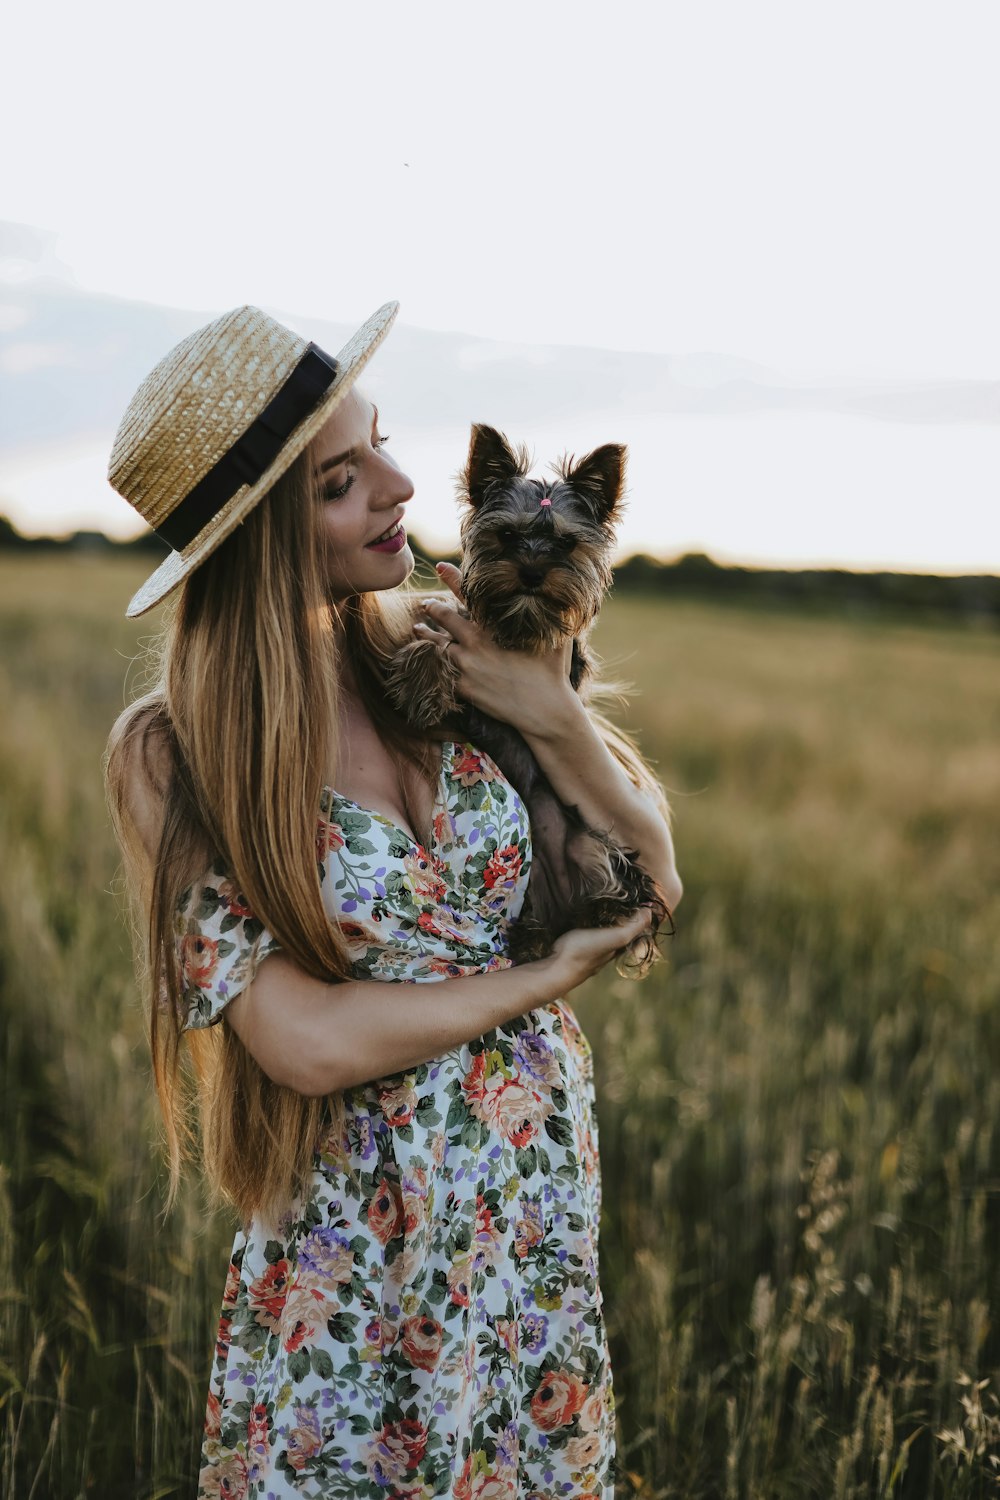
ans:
x=536 y=565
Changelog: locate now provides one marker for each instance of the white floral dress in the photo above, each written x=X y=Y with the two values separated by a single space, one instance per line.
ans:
x=426 y=1319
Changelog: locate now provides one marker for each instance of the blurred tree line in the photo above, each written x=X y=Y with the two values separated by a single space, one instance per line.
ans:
x=971 y=599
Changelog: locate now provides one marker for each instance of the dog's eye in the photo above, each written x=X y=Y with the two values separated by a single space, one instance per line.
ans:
x=566 y=543
x=507 y=536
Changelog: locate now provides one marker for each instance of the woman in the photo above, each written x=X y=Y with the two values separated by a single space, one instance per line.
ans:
x=412 y=1305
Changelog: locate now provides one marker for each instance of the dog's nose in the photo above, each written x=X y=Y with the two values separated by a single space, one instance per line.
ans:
x=532 y=577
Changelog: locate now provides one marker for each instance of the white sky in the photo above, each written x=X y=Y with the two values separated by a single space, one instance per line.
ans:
x=811 y=186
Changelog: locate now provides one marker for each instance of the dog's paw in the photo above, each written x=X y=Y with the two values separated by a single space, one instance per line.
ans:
x=420 y=683
x=610 y=884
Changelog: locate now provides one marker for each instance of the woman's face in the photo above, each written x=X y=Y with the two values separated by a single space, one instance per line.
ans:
x=363 y=491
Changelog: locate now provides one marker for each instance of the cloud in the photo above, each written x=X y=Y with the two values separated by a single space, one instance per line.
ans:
x=78 y=357
x=20 y=359
x=726 y=455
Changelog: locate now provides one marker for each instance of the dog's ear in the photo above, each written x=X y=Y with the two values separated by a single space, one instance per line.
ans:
x=599 y=479
x=491 y=462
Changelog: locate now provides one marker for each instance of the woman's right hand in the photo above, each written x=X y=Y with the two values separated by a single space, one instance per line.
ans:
x=581 y=952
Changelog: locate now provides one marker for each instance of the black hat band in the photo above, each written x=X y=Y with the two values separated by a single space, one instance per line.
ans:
x=254 y=451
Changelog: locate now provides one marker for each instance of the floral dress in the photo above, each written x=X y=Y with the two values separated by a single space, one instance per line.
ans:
x=426 y=1318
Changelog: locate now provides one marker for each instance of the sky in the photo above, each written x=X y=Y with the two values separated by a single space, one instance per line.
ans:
x=808 y=188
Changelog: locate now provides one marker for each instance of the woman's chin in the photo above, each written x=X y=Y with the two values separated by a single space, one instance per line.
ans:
x=407 y=562
x=389 y=573
x=395 y=569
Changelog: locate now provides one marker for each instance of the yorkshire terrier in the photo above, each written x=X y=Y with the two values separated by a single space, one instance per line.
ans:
x=536 y=565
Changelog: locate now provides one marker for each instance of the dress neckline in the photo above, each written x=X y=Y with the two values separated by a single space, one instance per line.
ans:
x=440 y=799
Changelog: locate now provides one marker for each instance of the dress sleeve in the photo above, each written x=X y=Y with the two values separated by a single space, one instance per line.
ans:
x=219 y=943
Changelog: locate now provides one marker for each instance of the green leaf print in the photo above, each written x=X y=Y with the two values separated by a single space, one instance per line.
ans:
x=462 y=1237
x=439 y=1479
x=471 y=798
x=559 y=1130
x=406 y=1386
x=526 y=1159
x=321 y=1362
x=353 y=822
x=341 y=1327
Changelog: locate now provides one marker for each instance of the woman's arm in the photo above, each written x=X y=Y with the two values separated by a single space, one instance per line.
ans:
x=318 y=1038
x=533 y=693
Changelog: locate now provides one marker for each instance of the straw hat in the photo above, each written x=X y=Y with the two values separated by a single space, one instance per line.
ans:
x=220 y=418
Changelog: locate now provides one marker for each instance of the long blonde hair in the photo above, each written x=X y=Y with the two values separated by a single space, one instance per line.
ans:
x=235 y=736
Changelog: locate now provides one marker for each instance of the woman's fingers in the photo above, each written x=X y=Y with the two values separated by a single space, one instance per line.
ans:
x=446 y=617
x=584 y=950
x=439 y=637
x=628 y=928
x=449 y=574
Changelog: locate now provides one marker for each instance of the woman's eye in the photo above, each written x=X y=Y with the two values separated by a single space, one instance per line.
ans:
x=339 y=494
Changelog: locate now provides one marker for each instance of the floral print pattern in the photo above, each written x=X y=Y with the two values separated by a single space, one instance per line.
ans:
x=426 y=1319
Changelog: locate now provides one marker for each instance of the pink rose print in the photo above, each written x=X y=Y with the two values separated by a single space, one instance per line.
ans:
x=471 y=767
x=503 y=867
x=385 y=1211
x=422 y=1337
x=266 y=1295
x=199 y=956
x=305 y=1438
x=557 y=1400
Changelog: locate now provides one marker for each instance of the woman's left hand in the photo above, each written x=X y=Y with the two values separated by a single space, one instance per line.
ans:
x=521 y=687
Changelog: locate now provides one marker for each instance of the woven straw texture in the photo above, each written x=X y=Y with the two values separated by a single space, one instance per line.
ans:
x=194 y=405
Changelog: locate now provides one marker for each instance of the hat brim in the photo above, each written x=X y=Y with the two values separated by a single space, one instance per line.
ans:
x=350 y=362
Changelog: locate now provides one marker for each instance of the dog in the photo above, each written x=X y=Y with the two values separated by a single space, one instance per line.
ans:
x=536 y=566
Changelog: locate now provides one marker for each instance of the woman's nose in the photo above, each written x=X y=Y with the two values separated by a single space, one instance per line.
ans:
x=396 y=487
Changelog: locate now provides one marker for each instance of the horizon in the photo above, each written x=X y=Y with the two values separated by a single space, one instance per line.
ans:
x=663 y=560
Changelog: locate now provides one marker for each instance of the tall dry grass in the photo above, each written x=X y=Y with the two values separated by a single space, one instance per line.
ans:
x=799 y=1114
x=797 y=1110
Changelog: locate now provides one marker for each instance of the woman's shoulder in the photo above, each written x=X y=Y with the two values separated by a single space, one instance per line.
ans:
x=138 y=765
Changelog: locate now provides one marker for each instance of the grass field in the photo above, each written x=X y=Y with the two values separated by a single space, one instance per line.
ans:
x=798 y=1110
